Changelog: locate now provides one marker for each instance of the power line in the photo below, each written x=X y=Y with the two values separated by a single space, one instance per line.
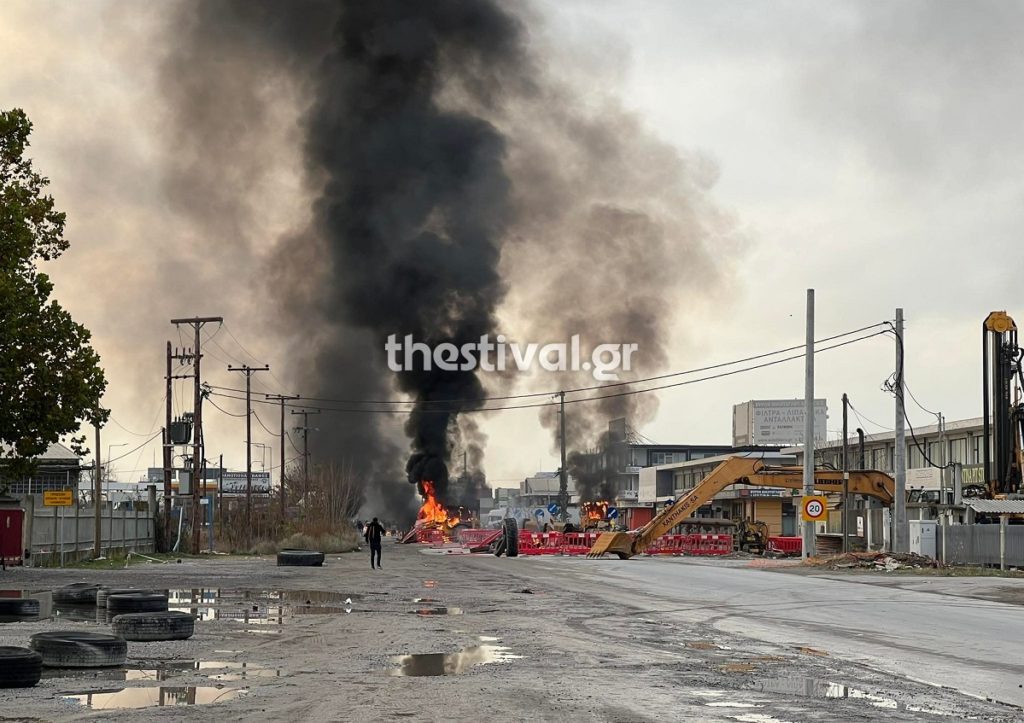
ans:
x=124 y=428
x=629 y=392
x=271 y=372
x=272 y=434
x=224 y=411
x=534 y=395
x=897 y=390
x=136 y=449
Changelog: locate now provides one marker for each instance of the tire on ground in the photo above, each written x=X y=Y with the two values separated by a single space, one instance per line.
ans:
x=300 y=558
x=104 y=592
x=154 y=626
x=511 y=538
x=78 y=593
x=25 y=607
x=499 y=546
x=73 y=649
x=19 y=667
x=137 y=602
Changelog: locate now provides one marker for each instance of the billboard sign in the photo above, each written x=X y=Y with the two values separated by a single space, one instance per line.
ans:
x=776 y=422
x=233 y=483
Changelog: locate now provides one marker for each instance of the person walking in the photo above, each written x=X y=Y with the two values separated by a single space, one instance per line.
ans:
x=373 y=533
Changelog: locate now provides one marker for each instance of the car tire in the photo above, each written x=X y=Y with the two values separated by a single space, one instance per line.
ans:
x=141 y=627
x=511 y=538
x=105 y=592
x=78 y=593
x=19 y=667
x=20 y=607
x=300 y=558
x=137 y=602
x=73 y=649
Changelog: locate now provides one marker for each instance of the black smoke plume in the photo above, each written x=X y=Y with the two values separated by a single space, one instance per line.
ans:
x=448 y=176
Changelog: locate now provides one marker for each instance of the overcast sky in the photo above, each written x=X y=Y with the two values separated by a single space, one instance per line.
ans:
x=868 y=150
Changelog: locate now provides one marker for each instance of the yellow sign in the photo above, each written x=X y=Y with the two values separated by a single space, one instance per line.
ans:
x=58 y=498
x=813 y=509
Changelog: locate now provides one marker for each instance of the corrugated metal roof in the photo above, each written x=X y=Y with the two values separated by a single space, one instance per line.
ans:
x=997 y=507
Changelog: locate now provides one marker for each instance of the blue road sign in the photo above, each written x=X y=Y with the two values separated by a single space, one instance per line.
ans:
x=613 y=513
x=553 y=508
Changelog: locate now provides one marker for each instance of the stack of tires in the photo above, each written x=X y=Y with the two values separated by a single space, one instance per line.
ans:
x=136 y=601
x=79 y=649
x=508 y=543
x=16 y=609
x=77 y=593
x=19 y=667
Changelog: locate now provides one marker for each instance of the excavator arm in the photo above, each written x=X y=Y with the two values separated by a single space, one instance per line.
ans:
x=739 y=470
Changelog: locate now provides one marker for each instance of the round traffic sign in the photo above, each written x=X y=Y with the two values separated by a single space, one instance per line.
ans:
x=814 y=508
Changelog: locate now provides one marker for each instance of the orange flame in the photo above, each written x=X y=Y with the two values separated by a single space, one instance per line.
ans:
x=595 y=510
x=431 y=512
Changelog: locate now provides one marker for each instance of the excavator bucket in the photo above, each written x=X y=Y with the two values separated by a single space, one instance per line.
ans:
x=617 y=543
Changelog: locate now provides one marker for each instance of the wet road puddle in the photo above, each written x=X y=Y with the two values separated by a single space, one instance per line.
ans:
x=168 y=670
x=433 y=664
x=438 y=611
x=258 y=607
x=154 y=697
x=815 y=688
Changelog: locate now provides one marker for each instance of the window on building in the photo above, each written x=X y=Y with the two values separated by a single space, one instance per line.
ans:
x=915 y=458
x=958 y=451
x=975 y=443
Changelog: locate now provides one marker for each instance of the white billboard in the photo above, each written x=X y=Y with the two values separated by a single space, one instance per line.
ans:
x=234 y=483
x=776 y=422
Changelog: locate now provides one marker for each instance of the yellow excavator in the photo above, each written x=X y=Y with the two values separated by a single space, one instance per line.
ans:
x=740 y=470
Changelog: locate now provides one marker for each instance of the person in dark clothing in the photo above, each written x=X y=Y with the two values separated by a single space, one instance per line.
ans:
x=374 y=531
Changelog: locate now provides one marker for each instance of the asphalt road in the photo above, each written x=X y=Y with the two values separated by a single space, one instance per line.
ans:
x=935 y=633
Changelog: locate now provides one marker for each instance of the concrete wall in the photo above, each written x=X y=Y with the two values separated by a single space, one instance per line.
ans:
x=56 y=533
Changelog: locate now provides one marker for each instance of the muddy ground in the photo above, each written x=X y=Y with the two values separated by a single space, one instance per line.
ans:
x=539 y=642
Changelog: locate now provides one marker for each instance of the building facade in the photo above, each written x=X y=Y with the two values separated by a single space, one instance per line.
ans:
x=58 y=468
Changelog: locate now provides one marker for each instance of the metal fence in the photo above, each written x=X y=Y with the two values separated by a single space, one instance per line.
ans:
x=57 y=535
x=979 y=544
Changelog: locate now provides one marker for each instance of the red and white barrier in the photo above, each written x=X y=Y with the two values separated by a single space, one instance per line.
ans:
x=786 y=545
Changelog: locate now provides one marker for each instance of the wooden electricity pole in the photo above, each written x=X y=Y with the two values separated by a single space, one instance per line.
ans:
x=305 y=449
x=282 y=398
x=248 y=371
x=197 y=324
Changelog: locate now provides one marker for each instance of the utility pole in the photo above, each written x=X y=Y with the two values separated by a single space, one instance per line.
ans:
x=901 y=531
x=184 y=356
x=168 y=455
x=197 y=324
x=563 y=473
x=846 y=476
x=282 y=398
x=808 y=547
x=248 y=371
x=220 y=495
x=305 y=449
x=97 y=491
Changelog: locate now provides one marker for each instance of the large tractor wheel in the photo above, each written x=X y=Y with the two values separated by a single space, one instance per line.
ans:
x=511 y=538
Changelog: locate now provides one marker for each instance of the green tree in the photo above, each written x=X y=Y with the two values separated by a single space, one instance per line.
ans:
x=50 y=377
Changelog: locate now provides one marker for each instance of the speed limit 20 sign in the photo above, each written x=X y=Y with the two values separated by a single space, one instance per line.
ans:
x=813 y=509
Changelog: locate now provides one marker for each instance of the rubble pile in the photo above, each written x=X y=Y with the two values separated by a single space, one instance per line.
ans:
x=887 y=561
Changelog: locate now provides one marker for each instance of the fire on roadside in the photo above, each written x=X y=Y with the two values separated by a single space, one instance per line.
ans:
x=432 y=513
x=594 y=511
